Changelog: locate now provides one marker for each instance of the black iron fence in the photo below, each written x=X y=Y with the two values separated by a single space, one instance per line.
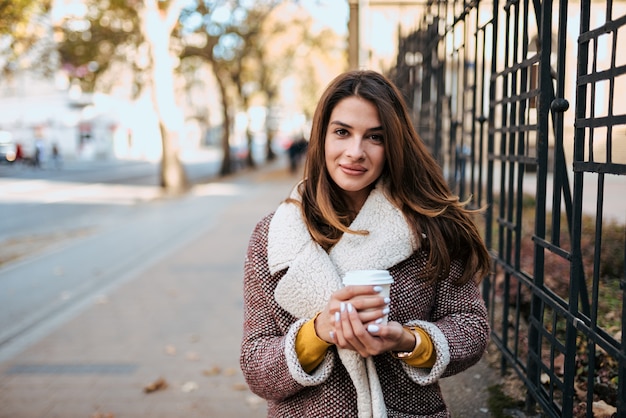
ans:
x=524 y=105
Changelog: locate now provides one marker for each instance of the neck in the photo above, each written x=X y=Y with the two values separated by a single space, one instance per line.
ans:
x=356 y=201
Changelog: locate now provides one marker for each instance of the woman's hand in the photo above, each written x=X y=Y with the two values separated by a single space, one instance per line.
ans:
x=352 y=319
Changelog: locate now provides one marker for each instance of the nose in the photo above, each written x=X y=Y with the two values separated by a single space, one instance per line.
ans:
x=355 y=149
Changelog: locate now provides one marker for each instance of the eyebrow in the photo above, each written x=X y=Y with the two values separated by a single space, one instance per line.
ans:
x=345 y=125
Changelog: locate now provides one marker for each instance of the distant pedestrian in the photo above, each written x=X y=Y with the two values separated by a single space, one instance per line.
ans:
x=296 y=152
x=38 y=152
x=371 y=197
x=19 y=152
x=56 y=156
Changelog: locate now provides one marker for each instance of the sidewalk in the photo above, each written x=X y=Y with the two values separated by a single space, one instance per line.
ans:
x=173 y=325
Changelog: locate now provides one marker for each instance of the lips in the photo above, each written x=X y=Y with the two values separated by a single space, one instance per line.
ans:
x=352 y=169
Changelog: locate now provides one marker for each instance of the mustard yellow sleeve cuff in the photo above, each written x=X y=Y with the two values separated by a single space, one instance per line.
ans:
x=424 y=354
x=310 y=348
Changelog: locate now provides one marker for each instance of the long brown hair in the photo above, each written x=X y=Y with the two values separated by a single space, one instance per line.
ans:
x=413 y=179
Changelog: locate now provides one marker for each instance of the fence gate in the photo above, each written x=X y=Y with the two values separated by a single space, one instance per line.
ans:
x=524 y=105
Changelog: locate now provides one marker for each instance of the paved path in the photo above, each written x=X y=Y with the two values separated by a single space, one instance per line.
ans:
x=174 y=314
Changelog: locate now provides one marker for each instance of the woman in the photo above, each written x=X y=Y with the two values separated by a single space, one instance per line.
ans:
x=372 y=198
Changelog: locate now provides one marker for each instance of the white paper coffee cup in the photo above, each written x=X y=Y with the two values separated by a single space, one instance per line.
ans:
x=380 y=278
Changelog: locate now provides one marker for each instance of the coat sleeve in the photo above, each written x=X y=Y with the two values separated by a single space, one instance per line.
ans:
x=268 y=359
x=461 y=315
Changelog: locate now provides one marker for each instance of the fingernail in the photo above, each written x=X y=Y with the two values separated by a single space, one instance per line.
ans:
x=373 y=328
x=332 y=335
x=342 y=307
x=337 y=317
x=350 y=307
x=379 y=321
x=378 y=289
x=385 y=311
x=387 y=300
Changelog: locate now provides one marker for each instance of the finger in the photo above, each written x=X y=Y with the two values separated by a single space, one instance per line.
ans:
x=349 y=292
x=376 y=315
x=339 y=335
x=354 y=331
x=370 y=302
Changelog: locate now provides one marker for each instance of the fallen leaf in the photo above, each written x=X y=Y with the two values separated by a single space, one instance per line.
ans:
x=559 y=364
x=609 y=316
x=170 y=350
x=581 y=392
x=230 y=372
x=192 y=356
x=159 y=384
x=189 y=387
x=213 y=371
x=99 y=415
x=602 y=409
x=240 y=387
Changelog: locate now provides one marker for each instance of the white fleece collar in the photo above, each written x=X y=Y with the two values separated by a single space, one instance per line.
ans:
x=313 y=274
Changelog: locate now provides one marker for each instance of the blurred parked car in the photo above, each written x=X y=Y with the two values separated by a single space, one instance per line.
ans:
x=8 y=148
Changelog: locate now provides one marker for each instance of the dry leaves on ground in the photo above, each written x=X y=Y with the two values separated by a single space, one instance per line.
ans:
x=602 y=409
x=159 y=384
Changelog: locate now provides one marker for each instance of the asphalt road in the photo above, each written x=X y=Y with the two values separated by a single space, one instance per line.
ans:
x=112 y=208
x=36 y=202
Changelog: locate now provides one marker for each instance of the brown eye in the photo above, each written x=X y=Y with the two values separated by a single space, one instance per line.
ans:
x=378 y=139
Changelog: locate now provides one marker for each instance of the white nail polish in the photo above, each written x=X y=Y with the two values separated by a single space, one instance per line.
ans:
x=378 y=289
x=342 y=307
x=350 y=308
x=337 y=317
x=387 y=301
x=385 y=311
x=379 y=321
x=373 y=328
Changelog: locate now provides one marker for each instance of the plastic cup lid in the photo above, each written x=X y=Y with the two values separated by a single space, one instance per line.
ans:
x=355 y=277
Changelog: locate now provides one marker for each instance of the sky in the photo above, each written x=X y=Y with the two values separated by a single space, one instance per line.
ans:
x=333 y=13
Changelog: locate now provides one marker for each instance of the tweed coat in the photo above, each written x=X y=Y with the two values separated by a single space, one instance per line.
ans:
x=288 y=279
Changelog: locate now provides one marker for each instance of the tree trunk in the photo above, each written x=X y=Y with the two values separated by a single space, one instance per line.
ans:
x=249 y=157
x=157 y=27
x=172 y=176
x=227 y=166
x=270 y=130
x=270 y=155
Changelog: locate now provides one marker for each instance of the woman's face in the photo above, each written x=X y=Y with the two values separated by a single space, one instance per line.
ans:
x=354 y=148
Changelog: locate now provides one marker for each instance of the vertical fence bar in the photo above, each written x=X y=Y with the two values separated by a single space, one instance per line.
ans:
x=545 y=85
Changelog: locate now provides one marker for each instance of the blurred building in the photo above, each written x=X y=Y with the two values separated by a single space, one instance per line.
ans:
x=375 y=28
x=36 y=109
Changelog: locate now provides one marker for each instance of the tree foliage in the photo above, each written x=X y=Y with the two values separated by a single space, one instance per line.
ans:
x=292 y=48
x=91 y=42
x=252 y=47
x=225 y=34
x=24 y=33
